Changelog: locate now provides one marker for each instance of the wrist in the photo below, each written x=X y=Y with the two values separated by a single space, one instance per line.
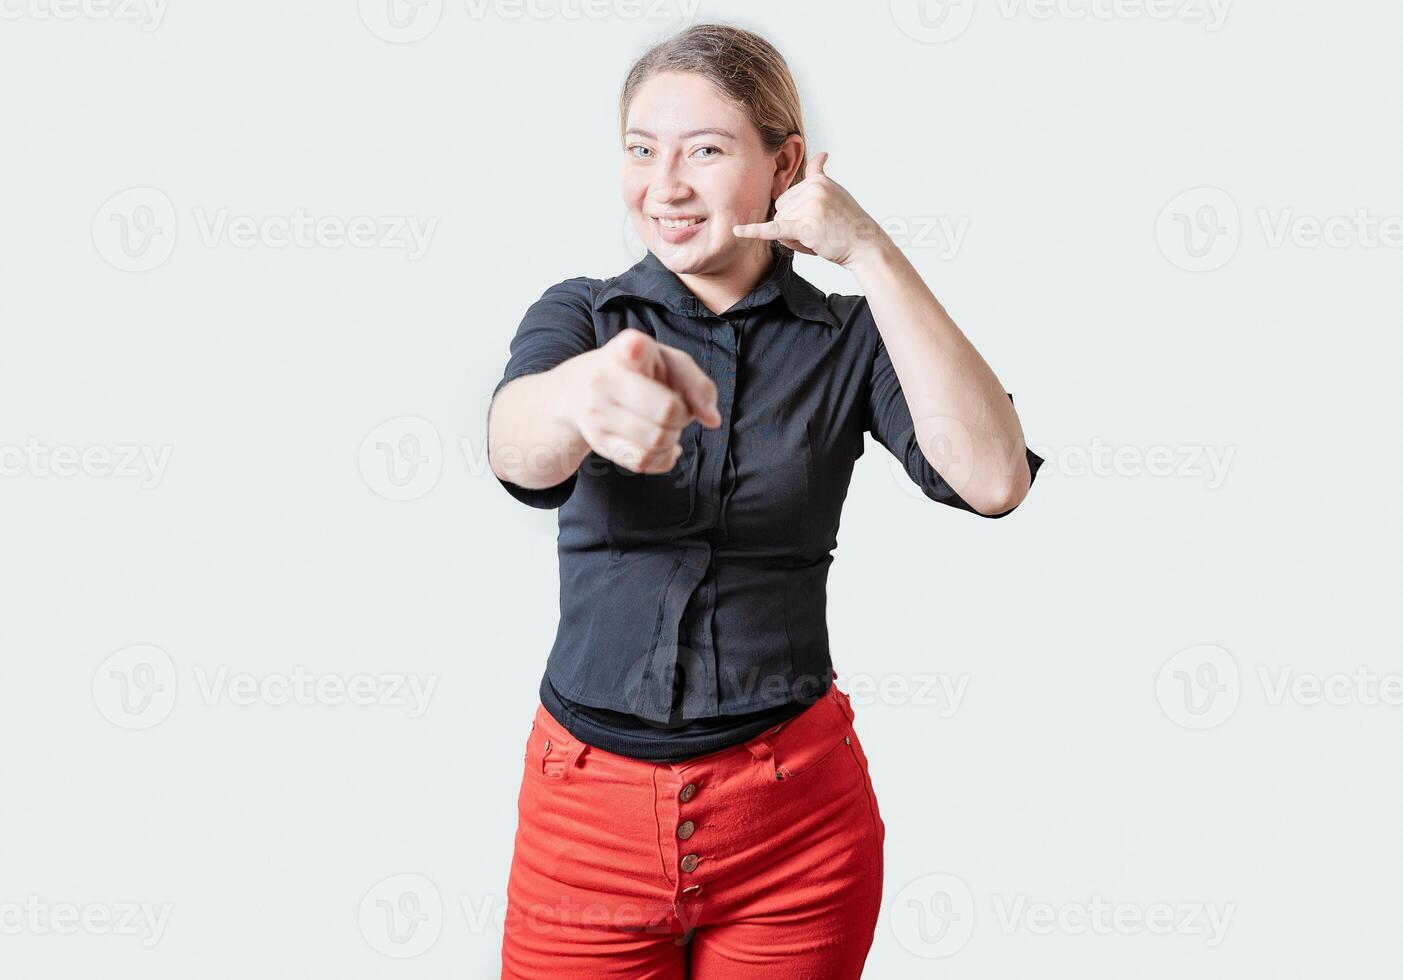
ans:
x=563 y=392
x=874 y=252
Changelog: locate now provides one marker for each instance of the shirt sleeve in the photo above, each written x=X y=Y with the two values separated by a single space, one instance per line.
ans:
x=556 y=327
x=889 y=421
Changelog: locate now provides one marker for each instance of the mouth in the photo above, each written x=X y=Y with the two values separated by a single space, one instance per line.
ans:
x=677 y=229
x=680 y=221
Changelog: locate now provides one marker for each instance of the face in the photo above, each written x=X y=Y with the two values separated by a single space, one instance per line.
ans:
x=691 y=155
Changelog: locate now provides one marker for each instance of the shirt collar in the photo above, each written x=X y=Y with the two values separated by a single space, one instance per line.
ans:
x=650 y=280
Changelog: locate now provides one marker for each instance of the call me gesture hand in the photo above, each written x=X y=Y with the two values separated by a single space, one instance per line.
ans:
x=819 y=217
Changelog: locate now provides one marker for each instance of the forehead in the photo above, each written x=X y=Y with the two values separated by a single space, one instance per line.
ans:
x=673 y=102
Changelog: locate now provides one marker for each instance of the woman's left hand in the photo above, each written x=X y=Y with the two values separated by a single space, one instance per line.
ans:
x=819 y=217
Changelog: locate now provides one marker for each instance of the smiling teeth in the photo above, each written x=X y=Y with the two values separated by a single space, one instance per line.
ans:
x=671 y=223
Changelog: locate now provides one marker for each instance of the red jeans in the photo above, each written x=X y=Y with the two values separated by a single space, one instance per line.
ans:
x=762 y=861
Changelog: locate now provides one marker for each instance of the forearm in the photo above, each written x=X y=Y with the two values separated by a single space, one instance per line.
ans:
x=965 y=423
x=531 y=440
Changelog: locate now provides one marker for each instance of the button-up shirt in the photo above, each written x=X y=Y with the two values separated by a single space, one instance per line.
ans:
x=693 y=603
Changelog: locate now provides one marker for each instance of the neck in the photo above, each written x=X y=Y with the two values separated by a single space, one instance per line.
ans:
x=719 y=291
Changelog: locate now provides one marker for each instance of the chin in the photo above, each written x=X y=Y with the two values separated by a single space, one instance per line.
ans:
x=682 y=258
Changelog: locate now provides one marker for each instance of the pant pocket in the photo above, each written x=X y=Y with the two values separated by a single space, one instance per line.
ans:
x=548 y=757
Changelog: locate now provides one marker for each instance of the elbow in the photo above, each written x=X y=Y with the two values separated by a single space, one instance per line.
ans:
x=999 y=498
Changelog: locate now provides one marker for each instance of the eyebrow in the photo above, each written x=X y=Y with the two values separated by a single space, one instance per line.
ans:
x=686 y=136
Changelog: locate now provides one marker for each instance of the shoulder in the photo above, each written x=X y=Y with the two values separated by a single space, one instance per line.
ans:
x=852 y=314
x=577 y=291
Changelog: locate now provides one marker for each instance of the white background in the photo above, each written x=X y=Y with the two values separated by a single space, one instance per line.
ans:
x=1137 y=185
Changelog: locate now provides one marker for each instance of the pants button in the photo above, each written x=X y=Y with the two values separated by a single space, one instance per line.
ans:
x=686 y=829
x=689 y=863
x=688 y=791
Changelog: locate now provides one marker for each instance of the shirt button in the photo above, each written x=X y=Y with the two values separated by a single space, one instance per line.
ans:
x=686 y=829
x=689 y=863
x=688 y=791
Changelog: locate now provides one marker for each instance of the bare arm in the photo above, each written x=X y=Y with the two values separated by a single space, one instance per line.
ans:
x=530 y=439
x=966 y=425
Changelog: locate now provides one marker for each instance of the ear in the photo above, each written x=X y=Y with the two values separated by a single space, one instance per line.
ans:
x=789 y=160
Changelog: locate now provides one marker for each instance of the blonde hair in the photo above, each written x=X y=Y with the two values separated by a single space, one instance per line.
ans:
x=745 y=67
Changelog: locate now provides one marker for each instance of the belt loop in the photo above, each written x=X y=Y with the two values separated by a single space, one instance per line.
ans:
x=761 y=749
x=843 y=702
x=573 y=754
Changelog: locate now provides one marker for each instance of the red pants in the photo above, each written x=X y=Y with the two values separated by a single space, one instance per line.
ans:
x=762 y=861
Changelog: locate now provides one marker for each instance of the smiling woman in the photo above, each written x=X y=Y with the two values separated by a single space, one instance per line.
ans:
x=713 y=133
x=693 y=774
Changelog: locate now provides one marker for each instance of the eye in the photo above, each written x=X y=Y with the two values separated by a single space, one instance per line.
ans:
x=636 y=146
x=700 y=148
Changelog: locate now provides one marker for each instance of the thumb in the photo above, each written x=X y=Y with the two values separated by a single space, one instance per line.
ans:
x=635 y=349
x=815 y=167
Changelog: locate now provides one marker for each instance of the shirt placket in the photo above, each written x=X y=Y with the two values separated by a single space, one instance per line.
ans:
x=701 y=697
x=718 y=355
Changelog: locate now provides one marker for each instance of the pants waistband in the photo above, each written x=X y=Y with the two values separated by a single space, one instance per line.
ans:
x=832 y=711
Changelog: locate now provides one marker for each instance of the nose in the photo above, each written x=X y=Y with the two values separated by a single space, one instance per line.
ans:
x=669 y=185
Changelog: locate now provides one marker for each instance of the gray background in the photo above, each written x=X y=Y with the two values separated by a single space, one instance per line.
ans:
x=1132 y=189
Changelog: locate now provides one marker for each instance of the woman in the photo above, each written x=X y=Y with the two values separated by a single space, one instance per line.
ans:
x=695 y=801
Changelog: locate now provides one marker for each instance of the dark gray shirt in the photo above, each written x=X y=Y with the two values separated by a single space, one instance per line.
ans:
x=693 y=603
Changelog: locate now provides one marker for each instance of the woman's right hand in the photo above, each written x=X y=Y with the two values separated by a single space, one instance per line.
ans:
x=631 y=399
